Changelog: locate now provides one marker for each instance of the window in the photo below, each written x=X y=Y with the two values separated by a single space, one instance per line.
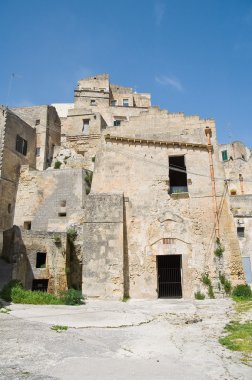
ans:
x=224 y=155
x=37 y=152
x=117 y=123
x=177 y=174
x=41 y=260
x=113 y=103
x=21 y=145
x=240 y=231
x=247 y=269
x=92 y=102
x=62 y=213
x=168 y=241
x=27 y=225
x=37 y=122
x=63 y=203
x=125 y=102
x=9 y=208
x=85 y=127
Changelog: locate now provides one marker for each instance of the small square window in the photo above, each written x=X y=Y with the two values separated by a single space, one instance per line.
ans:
x=113 y=103
x=93 y=102
x=37 y=122
x=63 y=213
x=27 y=225
x=117 y=123
x=125 y=102
x=224 y=155
x=240 y=231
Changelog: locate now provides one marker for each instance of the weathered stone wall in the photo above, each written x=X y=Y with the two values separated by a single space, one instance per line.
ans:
x=11 y=160
x=43 y=197
x=103 y=250
x=238 y=167
x=48 y=128
x=140 y=170
x=27 y=245
x=241 y=206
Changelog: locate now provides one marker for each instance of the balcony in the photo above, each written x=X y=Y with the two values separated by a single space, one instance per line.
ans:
x=178 y=192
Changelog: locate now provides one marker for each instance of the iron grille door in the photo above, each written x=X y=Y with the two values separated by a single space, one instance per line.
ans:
x=169 y=276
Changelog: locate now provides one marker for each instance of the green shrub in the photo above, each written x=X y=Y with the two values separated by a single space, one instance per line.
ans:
x=15 y=292
x=205 y=279
x=88 y=180
x=7 y=289
x=227 y=287
x=211 y=292
x=72 y=297
x=57 y=239
x=125 y=298
x=71 y=235
x=219 y=249
x=242 y=291
x=225 y=283
x=57 y=164
x=23 y=296
x=199 y=296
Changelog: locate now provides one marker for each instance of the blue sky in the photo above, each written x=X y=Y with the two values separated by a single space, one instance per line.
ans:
x=194 y=56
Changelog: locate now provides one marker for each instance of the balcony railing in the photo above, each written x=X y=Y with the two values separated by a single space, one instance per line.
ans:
x=178 y=189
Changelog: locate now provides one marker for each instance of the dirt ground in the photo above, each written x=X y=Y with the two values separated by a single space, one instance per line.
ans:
x=154 y=340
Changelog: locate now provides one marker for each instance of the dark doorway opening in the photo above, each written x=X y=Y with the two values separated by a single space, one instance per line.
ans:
x=41 y=260
x=169 y=276
x=41 y=285
x=177 y=174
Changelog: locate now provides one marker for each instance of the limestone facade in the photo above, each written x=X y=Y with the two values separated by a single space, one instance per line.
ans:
x=237 y=163
x=159 y=206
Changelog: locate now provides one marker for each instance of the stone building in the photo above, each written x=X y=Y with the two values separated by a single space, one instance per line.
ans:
x=17 y=147
x=159 y=206
x=237 y=163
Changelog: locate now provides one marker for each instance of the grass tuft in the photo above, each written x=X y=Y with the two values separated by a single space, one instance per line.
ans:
x=59 y=328
x=199 y=296
x=238 y=336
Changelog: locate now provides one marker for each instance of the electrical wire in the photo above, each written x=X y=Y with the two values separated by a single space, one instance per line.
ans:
x=173 y=167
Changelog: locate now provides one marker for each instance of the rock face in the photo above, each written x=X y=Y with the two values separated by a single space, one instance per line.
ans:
x=158 y=209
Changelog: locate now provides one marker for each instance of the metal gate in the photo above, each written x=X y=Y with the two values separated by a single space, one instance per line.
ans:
x=41 y=285
x=169 y=276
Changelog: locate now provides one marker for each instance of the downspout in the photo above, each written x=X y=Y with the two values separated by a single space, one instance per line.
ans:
x=208 y=133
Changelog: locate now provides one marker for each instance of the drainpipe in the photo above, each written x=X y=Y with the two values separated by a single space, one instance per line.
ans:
x=208 y=133
x=241 y=183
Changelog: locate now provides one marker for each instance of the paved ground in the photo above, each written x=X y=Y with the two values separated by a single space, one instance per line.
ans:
x=154 y=340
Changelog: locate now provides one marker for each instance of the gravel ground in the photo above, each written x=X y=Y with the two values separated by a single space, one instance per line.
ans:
x=154 y=340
